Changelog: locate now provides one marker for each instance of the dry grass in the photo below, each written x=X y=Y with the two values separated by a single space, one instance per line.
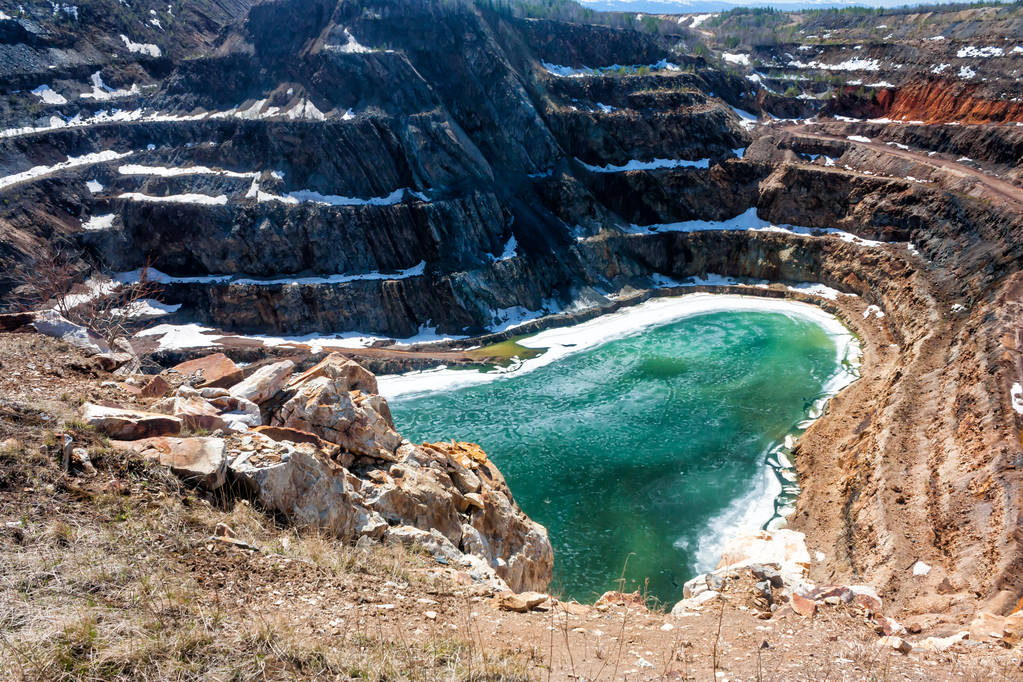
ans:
x=117 y=578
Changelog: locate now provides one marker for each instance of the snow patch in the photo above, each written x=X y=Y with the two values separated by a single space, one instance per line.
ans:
x=305 y=109
x=856 y=64
x=748 y=120
x=1016 y=394
x=858 y=138
x=307 y=195
x=583 y=71
x=149 y=308
x=101 y=91
x=510 y=250
x=99 y=222
x=147 y=49
x=94 y=186
x=736 y=58
x=351 y=46
x=873 y=310
x=699 y=19
x=48 y=95
x=166 y=172
x=971 y=51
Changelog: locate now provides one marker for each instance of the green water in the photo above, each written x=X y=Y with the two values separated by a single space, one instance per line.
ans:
x=648 y=448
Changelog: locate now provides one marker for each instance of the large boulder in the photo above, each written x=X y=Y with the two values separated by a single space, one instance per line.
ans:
x=783 y=546
x=124 y=424
x=200 y=461
x=343 y=371
x=329 y=401
x=301 y=482
x=264 y=383
x=211 y=371
x=195 y=413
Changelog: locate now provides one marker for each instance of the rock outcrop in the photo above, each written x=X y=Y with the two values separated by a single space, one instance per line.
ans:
x=332 y=460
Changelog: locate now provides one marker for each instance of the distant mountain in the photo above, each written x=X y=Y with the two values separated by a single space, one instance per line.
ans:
x=689 y=6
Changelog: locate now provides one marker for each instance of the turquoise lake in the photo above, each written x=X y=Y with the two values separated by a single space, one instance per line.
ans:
x=649 y=449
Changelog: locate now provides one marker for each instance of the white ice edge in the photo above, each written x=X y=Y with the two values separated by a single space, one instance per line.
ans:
x=192 y=335
x=565 y=341
x=757 y=509
x=747 y=221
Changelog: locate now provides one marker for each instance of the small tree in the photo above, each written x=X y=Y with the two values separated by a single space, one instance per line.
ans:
x=54 y=280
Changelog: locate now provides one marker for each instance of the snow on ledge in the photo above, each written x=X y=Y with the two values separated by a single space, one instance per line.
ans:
x=48 y=96
x=178 y=336
x=748 y=120
x=188 y=198
x=310 y=196
x=154 y=275
x=971 y=51
x=747 y=221
x=510 y=251
x=653 y=164
x=583 y=71
x=857 y=64
x=165 y=172
x=71 y=162
x=101 y=91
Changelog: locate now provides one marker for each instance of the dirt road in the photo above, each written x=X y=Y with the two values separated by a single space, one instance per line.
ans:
x=994 y=187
